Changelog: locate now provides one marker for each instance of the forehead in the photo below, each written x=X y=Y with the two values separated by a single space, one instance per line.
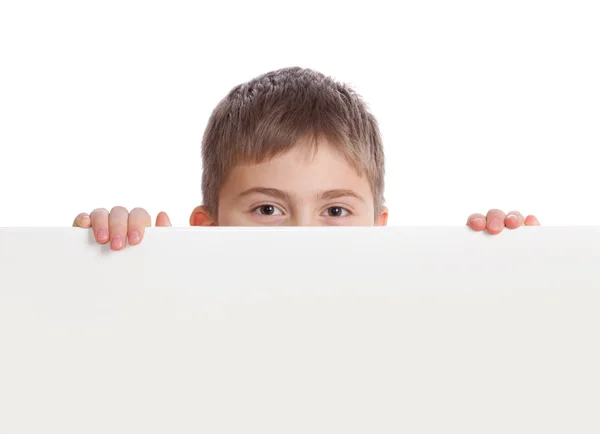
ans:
x=302 y=169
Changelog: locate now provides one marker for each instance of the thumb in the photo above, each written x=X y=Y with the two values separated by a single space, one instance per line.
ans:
x=162 y=219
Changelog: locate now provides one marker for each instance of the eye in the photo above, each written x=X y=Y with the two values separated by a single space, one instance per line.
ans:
x=267 y=210
x=337 y=211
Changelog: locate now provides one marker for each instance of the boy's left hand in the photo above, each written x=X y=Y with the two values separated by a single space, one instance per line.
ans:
x=496 y=220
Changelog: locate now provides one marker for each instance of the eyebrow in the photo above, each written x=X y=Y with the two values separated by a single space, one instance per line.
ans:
x=273 y=192
x=326 y=195
x=336 y=194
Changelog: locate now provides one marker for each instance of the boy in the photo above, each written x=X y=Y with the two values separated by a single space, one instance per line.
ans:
x=290 y=147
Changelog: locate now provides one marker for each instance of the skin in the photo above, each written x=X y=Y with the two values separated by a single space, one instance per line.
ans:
x=299 y=188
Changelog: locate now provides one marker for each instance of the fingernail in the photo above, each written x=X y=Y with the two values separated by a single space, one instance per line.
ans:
x=101 y=234
x=116 y=243
x=477 y=220
x=513 y=218
x=495 y=224
x=85 y=218
x=134 y=237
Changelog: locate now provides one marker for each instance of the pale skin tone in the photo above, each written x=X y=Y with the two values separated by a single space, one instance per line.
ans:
x=299 y=188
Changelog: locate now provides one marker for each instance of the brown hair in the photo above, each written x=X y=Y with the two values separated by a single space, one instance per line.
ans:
x=270 y=114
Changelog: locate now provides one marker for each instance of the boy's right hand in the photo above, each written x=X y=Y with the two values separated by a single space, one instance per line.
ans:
x=119 y=225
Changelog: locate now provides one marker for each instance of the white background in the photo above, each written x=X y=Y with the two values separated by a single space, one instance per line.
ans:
x=481 y=104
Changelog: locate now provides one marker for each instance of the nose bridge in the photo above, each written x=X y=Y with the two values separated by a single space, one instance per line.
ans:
x=303 y=221
x=303 y=215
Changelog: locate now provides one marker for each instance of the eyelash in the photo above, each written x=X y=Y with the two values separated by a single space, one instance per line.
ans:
x=256 y=210
x=348 y=213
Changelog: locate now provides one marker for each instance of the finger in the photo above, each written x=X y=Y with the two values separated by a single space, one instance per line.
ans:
x=99 y=218
x=117 y=226
x=531 y=221
x=82 y=221
x=476 y=222
x=495 y=221
x=139 y=220
x=162 y=219
x=514 y=220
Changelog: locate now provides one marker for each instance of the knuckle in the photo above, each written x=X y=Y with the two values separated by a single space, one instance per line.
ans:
x=118 y=228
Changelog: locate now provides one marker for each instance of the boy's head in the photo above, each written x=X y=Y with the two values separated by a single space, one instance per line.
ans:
x=292 y=147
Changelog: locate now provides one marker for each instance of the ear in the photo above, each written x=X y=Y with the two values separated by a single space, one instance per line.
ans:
x=201 y=217
x=383 y=217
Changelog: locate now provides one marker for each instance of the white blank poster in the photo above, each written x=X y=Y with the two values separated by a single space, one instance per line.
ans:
x=303 y=330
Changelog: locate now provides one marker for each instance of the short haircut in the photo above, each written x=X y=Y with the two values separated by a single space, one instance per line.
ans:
x=276 y=111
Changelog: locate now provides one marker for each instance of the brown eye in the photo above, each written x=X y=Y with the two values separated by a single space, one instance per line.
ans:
x=267 y=210
x=336 y=211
